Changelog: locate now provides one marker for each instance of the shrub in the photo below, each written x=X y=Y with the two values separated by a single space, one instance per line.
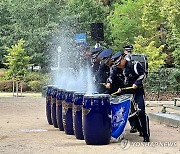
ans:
x=2 y=85
x=37 y=76
x=7 y=86
x=177 y=75
x=2 y=74
x=163 y=80
x=35 y=86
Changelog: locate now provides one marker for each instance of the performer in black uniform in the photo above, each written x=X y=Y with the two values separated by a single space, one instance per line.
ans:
x=128 y=49
x=134 y=120
x=116 y=78
x=104 y=70
x=134 y=76
x=95 y=61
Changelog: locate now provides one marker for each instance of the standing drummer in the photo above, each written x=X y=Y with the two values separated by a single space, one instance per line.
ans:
x=104 y=70
x=128 y=49
x=116 y=81
x=134 y=76
x=134 y=120
x=95 y=61
x=116 y=78
x=116 y=75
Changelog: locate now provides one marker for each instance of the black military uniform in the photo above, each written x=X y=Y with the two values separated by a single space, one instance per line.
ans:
x=104 y=70
x=116 y=77
x=128 y=49
x=134 y=120
x=134 y=75
x=94 y=62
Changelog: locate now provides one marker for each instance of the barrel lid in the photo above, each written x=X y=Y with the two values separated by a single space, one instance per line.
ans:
x=79 y=93
x=50 y=85
x=97 y=95
x=61 y=89
x=102 y=95
x=70 y=91
x=121 y=98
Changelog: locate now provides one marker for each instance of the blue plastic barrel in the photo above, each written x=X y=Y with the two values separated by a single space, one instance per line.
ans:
x=48 y=104
x=53 y=107
x=77 y=115
x=59 y=99
x=97 y=119
x=67 y=113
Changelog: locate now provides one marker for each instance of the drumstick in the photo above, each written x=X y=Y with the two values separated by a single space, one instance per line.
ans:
x=127 y=88
x=121 y=89
x=115 y=93
x=104 y=84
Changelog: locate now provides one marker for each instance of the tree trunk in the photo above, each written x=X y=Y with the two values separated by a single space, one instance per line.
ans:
x=16 y=88
x=21 y=88
x=13 y=87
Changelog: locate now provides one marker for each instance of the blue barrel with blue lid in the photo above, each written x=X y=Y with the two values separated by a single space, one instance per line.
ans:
x=48 y=104
x=53 y=107
x=67 y=113
x=59 y=99
x=77 y=114
x=97 y=119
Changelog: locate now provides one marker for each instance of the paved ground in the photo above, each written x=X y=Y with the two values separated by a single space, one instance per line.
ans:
x=19 y=115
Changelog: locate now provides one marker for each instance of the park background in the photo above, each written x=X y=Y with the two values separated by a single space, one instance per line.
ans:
x=31 y=31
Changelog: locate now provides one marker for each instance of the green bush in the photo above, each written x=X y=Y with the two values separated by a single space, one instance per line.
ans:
x=35 y=86
x=2 y=74
x=37 y=76
x=32 y=82
x=163 y=80
x=2 y=85
x=177 y=75
x=7 y=86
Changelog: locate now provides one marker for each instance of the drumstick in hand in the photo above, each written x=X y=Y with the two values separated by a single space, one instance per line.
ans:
x=127 y=88
x=104 y=84
x=120 y=89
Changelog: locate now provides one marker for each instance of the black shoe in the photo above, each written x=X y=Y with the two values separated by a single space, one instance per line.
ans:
x=133 y=130
x=141 y=134
x=146 y=139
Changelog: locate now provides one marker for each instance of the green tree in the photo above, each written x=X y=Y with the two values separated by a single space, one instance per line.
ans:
x=155 y=56
x=35 y=21
x=17 y=61
x=125 y=23
x=5 y=29
x=80 y=14
x=170 y=10
x=161 y=23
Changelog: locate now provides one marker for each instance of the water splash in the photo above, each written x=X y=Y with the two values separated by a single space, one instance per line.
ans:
x=90 y=83
x=69 y=69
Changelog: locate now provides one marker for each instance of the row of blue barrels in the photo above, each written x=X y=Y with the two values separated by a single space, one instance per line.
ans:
x=86 y=117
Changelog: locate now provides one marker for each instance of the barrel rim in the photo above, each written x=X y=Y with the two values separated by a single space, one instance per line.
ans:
x=97 y=96
x=70 y=91
x=79 y=93
x=59 y=89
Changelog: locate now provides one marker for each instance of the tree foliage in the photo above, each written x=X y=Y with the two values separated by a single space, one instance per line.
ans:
x=125 y=23
x=40 y=22
x=80 y=14
x=171 y=12
x=34 y=21
x=155 y=56
x=17 y=61
x=157 y=21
